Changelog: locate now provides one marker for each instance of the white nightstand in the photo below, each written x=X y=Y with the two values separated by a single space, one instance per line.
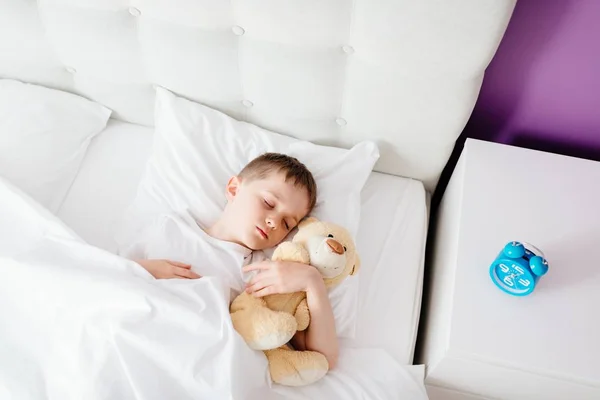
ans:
x=481 y=343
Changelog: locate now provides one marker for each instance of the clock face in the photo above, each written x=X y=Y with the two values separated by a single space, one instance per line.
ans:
x=512 y=276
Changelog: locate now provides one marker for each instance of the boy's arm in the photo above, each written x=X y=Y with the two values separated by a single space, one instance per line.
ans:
x=299 y=341
x=290 y=277
x=320 y=335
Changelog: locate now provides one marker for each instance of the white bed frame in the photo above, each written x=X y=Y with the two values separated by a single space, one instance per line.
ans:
x=405 y=73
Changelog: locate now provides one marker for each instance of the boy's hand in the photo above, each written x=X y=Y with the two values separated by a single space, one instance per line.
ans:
x=165 y=269
x=282 y=277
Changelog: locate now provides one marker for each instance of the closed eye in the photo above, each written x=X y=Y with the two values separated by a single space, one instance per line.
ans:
x=268 y=204
x=287 y=226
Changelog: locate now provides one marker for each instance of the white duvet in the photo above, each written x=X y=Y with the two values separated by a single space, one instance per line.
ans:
x=77 y=322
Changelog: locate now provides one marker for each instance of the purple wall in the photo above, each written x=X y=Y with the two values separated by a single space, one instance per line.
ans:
x=542 y=89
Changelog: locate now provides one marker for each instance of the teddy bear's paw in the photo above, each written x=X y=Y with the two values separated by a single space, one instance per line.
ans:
x=277 y=329
x=296 y=368
x=301 y=378
x=271 y=340
x=264 y=329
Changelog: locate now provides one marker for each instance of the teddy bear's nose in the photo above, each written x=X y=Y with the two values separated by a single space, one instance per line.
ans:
x=335 y=246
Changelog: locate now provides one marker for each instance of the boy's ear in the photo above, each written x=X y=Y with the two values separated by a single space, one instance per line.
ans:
x=232 y=187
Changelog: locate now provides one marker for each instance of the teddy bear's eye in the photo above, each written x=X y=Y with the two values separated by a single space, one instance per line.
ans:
x=345 y=249
x=330 y=236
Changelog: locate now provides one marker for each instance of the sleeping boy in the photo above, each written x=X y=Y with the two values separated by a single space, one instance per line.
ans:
x=265 y=201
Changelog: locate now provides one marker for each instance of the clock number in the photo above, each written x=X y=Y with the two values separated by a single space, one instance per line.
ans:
x=509 y=280
x=504 y=268
x=524 y=282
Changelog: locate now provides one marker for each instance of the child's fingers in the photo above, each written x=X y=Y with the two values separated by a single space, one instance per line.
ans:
x=258 y=278
x=256 y=286
x=179 y=264
x=185 y=273
x=258 y=266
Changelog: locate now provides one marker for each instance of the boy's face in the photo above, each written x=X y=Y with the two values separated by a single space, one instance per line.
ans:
x=264 y=211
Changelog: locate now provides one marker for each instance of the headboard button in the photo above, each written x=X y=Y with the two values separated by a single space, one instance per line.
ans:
x=238 y=30
x=247 y=103
x=135 y=11
x=348 y=49
x=71 y=70
x=341 y=121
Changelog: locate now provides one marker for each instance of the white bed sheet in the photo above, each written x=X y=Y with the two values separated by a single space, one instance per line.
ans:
x=391 y=242
x=391 y=239
x=68 y=340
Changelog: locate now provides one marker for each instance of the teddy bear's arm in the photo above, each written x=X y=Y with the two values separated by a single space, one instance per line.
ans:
x=302 y=315
x=289 y=251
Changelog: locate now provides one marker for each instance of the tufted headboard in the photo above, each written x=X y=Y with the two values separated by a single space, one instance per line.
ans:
x=405 y=73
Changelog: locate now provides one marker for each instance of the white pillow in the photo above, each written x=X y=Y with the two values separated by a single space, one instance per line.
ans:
x=44 y=134
x=197 y=149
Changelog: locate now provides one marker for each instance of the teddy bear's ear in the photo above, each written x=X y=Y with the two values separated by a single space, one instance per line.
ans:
x=356 y=265
x=307 y=221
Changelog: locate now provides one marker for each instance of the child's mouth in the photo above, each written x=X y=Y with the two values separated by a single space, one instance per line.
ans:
x=262 y=233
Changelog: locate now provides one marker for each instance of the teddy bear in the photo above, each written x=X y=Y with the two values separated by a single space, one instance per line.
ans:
x=270 y=322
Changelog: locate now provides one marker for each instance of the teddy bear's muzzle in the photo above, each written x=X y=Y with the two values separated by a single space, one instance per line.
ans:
x=327 y=255
x=335 y=246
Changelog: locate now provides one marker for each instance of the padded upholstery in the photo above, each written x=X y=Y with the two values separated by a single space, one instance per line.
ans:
x=405 y=73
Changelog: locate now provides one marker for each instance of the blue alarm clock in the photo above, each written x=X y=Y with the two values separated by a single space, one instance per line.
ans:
x=518 y=267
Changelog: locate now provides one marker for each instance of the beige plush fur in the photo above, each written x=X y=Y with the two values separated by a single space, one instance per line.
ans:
x=269 y=323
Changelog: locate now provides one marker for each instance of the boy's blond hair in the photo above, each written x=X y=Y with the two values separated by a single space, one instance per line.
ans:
x=264 y=165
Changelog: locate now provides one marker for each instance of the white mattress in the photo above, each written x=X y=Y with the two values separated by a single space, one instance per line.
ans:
x=391 y=240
